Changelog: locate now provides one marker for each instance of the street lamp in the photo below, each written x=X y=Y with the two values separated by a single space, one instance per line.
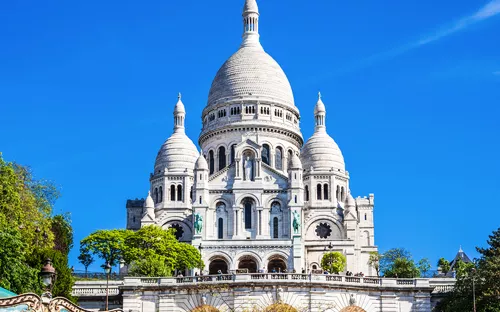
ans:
x=48 y=276
x=107 y=270
x=473 y=289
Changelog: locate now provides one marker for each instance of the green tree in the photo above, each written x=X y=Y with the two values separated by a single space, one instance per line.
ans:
x=188 y=257
x=402 y=268
x=105 y=244
x=389 y=257
x=424 y=266
x=27 y=231
x=486 y=277
x=153 y=265
x=85 y=259
x=333 y=262
x=63 y=233
x=64 y=281
x=444 y=265
x=374 y=261
x=15 y=274
x=26 y=204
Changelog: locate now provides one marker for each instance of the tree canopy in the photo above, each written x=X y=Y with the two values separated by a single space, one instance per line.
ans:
x=485 y=275
x=398 y=262
x=29 y=233
x=333 y=262
x=150 y=251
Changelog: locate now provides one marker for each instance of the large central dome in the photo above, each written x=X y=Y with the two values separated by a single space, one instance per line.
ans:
x=251 y=72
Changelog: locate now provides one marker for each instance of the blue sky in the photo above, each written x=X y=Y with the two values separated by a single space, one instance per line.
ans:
x=412 y=90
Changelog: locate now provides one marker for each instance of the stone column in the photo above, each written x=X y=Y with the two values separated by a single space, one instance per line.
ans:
x=388 y=302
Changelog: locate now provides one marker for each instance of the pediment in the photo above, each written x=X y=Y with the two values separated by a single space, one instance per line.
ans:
x=271 y=176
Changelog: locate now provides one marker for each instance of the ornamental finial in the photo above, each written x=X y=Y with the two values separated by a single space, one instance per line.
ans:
x=319 y=95
x=179 y=96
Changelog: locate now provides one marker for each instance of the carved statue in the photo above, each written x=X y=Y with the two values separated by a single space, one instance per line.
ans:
x=248 y=165
x=198 y=223
x=296 y=222
x=279 y=294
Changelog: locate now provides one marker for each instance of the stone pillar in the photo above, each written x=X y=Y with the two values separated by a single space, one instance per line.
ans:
x=238 y=169
x=388 y=302
x=167 y=303
x=422 y=302
x=132 y=301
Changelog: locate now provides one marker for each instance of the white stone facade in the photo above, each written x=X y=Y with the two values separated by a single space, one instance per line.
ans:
x=255 y=176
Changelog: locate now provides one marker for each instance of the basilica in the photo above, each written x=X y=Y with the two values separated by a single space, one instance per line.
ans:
x=255 y=197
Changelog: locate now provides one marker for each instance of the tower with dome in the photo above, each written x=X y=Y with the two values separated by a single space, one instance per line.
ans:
x=255 y=196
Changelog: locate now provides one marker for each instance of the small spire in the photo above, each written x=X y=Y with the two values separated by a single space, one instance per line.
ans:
x=460 y=250
x=319 y=95
x=179 y=96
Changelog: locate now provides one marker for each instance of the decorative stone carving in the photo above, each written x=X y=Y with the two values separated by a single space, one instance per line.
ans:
x=248 y=165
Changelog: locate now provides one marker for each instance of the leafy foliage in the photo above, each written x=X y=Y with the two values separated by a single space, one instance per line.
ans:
x=28 y=232
x=424 y=266
x=106 y=244
x=444 y=265
x=403 y=268
x=388 y=258
x=333 y=262
x=374 y=261
x=485 y=277
x=85 y=258
x=150 y=251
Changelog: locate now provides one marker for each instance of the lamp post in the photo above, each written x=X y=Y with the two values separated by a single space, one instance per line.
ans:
x=48 y=276
x=330 y=247
x=107 y=270
x=473 y=289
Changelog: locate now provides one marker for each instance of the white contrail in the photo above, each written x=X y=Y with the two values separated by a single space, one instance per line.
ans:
x=489 y=10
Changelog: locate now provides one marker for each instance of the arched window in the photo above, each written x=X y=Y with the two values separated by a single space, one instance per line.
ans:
x=156 y=195
x=172 y=192
x=179 y=192
x=222 y=157
x=191 y=193
x=338 y=192
x=248 y=215
x=325 y=191
x=295 y=199
x=278 y=158
x=160 y=193
x=200 y=200
x=211 y=161
x=220 y=228
x=367 y=237
x=342 y=194
x=275 y=227
x=365 y=217
x=233 y=153
x=307 y=192
x=290 y=156
x=318 y=192
x=265 y=154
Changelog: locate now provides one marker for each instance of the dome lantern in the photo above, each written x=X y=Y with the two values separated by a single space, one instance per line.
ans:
x=178 y=153
x=250 y=24
x=320 y=151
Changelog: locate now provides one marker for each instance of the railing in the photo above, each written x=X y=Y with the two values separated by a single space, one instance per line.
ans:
x=90 y=292
x=405 y=281
x=97 y=276
x=84 y=288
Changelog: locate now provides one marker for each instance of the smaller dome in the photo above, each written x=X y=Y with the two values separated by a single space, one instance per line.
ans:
x=320 y=106
x=201 y=163
x=178 y=153
x=295 y=162
x=322 y=153
x=179 y=107
x=350 y=200
x=250 y=7
x=149 y=203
